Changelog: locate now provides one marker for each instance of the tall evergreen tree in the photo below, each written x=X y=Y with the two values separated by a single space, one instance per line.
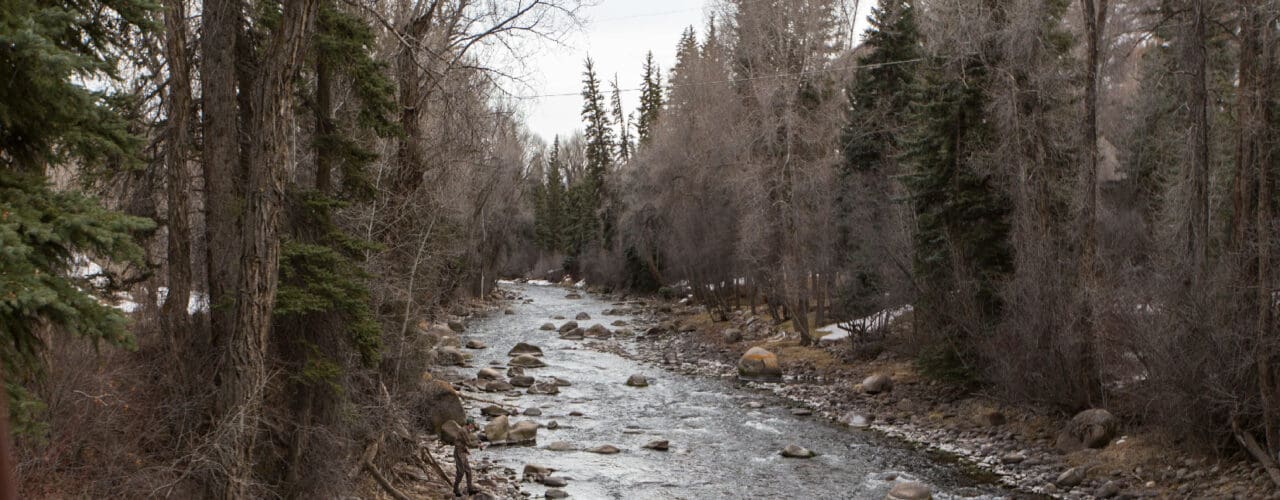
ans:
x=49 y=118
x=625 y=145
x=650 y=100
x=590 y=192
x=962 y=217
x=879 y=102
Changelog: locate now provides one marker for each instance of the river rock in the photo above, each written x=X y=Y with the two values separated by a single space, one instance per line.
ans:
x=658 y=445
x=574 y=334
x=1070 y=478
x=556 y=493
x=494 y=411
x=515 y=371
x=637 y=381
x=731 y=335
x=546 y=327
x=534 y=471
x=559 y=446
x=758 y=364
x=909 y=490
x=559 y=382
x=567 y=326
x=1107 y=490
x=450 y=356
x=523 y=431
x=599 y=332
x=605 y=449
x=497 y=386
x=533 y=412
x=796 y=451
x=496 y=430
x=440 y=403
x=457 y=326
x=544 y=388
x=575 y=413
x=488 y=374
x=877 y=383
x=1091 y=428
x=582 y=316
x=618 y=322
x=508 y=312
x=801 y=412
x=526 y=361
x=523 y=348
x=475 y=344
x=573 y=296
x=553 y=425
x=553 y=481
x=523 y=381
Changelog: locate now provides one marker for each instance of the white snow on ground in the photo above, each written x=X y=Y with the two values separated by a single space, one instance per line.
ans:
x=833 y=331
x=580 y=284
x=539 y=283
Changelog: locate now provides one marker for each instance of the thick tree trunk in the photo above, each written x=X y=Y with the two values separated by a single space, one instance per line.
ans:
x=1194 y=60
x=221 y=161
x=1095 y=18
x=178 y=108
x=243 y=370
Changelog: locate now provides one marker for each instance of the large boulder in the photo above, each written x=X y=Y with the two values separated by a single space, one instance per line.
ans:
x=568 y=326
x=877 y=383
x=1094 y=428
x=496 y=430
x=450 y=356
x=909 y=490
x=440 y=403
x=439 y=335
x=451 y=433
x=489 y=374
x=544 y=388
x=524 y=431
x=758 y=364
x=523 y=348
x=497 y=386
x=598 y=331
x=731 y=335
x=522 y=381
x=457 y=326
x=527 y=361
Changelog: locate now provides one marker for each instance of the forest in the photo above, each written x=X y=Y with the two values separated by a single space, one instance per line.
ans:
x=229 y=229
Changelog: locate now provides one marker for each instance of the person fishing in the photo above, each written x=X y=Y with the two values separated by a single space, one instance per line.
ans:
x=462 y=459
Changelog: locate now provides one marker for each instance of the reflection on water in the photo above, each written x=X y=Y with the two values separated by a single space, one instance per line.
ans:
x=720 y=448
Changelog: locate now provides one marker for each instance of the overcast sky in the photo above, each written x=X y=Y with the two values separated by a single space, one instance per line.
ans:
x=617 y=36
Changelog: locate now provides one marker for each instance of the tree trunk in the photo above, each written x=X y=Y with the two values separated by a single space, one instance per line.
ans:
x=243 y=369
x=221 y=140
x=1198 y=173
x=1095 y=19
x=324 y=125
x=178 y=108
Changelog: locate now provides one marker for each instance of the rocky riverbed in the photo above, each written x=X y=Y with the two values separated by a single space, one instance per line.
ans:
x=609 y=425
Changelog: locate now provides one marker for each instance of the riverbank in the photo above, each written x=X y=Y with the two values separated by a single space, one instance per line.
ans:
x=1018 y=445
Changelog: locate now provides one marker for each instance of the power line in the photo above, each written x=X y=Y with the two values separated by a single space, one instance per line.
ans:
x=739 y=80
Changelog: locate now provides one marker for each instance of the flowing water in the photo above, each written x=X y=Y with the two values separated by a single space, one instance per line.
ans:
x=721 y=447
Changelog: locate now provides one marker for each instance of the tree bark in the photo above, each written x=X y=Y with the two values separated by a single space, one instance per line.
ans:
x=243 y=370
x=178 y=108
x=1095 y=19
x=1194 y=59
x=221 y=137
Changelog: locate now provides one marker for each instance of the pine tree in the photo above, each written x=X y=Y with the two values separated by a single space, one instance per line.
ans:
x=48 y=118
x=879 y=101
x=650 y=100
x=962 y=216
x=550 y=217
x=591 y=193
x=625 y=145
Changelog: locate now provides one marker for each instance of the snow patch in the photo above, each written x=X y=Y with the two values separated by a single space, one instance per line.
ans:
x=833 y=332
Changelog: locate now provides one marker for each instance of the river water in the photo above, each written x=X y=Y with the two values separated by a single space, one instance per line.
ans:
x=721 y=447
